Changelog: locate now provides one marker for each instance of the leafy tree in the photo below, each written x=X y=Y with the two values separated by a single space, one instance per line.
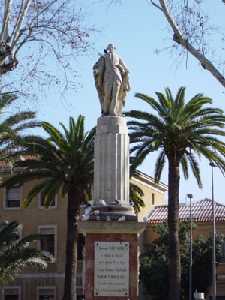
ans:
x=202 y=253
x=30 y=31
x=63 y=162
x=154 y=262
x=16 y=254
x=181 y=132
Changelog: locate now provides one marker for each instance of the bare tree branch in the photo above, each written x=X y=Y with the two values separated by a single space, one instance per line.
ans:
x=154 y=4
x=180 y=39
x=45 y=22
x=19 y=21
x=4 y=33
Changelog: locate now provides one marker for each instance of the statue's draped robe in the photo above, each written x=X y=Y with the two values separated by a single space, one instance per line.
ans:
x=110 y=73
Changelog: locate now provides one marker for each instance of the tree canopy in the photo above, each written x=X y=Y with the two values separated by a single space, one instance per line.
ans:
x=181 y=132
x=62 y=163
x=17 y=253
x=12 y=125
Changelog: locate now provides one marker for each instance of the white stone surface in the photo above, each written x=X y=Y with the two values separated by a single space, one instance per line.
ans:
x=111 y=269
x=111 y=174
x=111 y=81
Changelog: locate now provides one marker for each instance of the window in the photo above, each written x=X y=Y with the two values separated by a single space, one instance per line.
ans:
x=12 y=197
x=11 y=293
x=153 y=199
x=53 y=203
x=46 y=293
x=48 y=239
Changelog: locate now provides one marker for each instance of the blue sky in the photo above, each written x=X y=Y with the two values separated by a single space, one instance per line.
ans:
x=137 y=30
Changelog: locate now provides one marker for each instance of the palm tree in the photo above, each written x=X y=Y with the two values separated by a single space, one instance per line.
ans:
x=12 y=125
x=63 y=162
x=181 y=132
x=17 y=254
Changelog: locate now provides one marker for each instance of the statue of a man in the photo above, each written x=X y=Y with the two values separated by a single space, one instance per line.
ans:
x=111 y=81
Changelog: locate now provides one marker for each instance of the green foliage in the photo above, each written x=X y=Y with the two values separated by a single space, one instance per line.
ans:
x=16 y=254
x=136 y=197
x=171 y=125
x=181 y=132
x=12 y=125
x=61 y=162
x=154 y=262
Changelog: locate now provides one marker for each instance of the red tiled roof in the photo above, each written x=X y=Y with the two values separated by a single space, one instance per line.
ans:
x=201 y=212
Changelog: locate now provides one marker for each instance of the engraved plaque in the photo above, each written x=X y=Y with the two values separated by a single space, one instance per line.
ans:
x=111 y=274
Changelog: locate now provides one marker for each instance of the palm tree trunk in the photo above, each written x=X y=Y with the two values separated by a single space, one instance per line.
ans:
x=70 y=292
x=173 y=226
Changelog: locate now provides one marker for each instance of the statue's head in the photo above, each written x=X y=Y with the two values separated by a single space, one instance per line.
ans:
x=110 y=48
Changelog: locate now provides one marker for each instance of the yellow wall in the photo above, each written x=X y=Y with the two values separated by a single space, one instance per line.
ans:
x=33 y=216
x=202 y=229
x=149 y=188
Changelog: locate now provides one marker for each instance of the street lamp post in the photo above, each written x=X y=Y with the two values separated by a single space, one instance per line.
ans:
x=190 y=196
x=213 y=239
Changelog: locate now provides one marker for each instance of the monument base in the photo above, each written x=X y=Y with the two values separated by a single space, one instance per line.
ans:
x=112 y=213
x=111 y=259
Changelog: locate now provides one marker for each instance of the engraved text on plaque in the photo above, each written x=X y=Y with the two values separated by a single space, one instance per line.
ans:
x=111 y=269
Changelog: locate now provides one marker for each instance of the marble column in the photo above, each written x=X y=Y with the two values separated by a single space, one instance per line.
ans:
x=111 y=174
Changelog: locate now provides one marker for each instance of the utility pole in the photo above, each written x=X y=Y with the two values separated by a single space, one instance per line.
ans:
x=213 y=239
x=190 y=196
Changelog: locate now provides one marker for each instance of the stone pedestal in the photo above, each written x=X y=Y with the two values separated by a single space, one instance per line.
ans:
x=111 y=259
x=111 y=173
x=111 y=232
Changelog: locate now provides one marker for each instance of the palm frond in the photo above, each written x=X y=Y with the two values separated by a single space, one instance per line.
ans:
x=184 y=165
x=63 y=160
x=172 y=125
x=6 y=99
x=151 y=101
x=18 y=117
x=180 y=98
x=16 y=254
x=159 y=165
x=55 y=135
x=136 y=197
x=195 y=168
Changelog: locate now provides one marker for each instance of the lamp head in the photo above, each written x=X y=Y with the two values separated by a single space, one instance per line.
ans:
x=212 y=164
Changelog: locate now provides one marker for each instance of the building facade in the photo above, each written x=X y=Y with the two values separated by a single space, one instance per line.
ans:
x=154 y=194
x=51 y=224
